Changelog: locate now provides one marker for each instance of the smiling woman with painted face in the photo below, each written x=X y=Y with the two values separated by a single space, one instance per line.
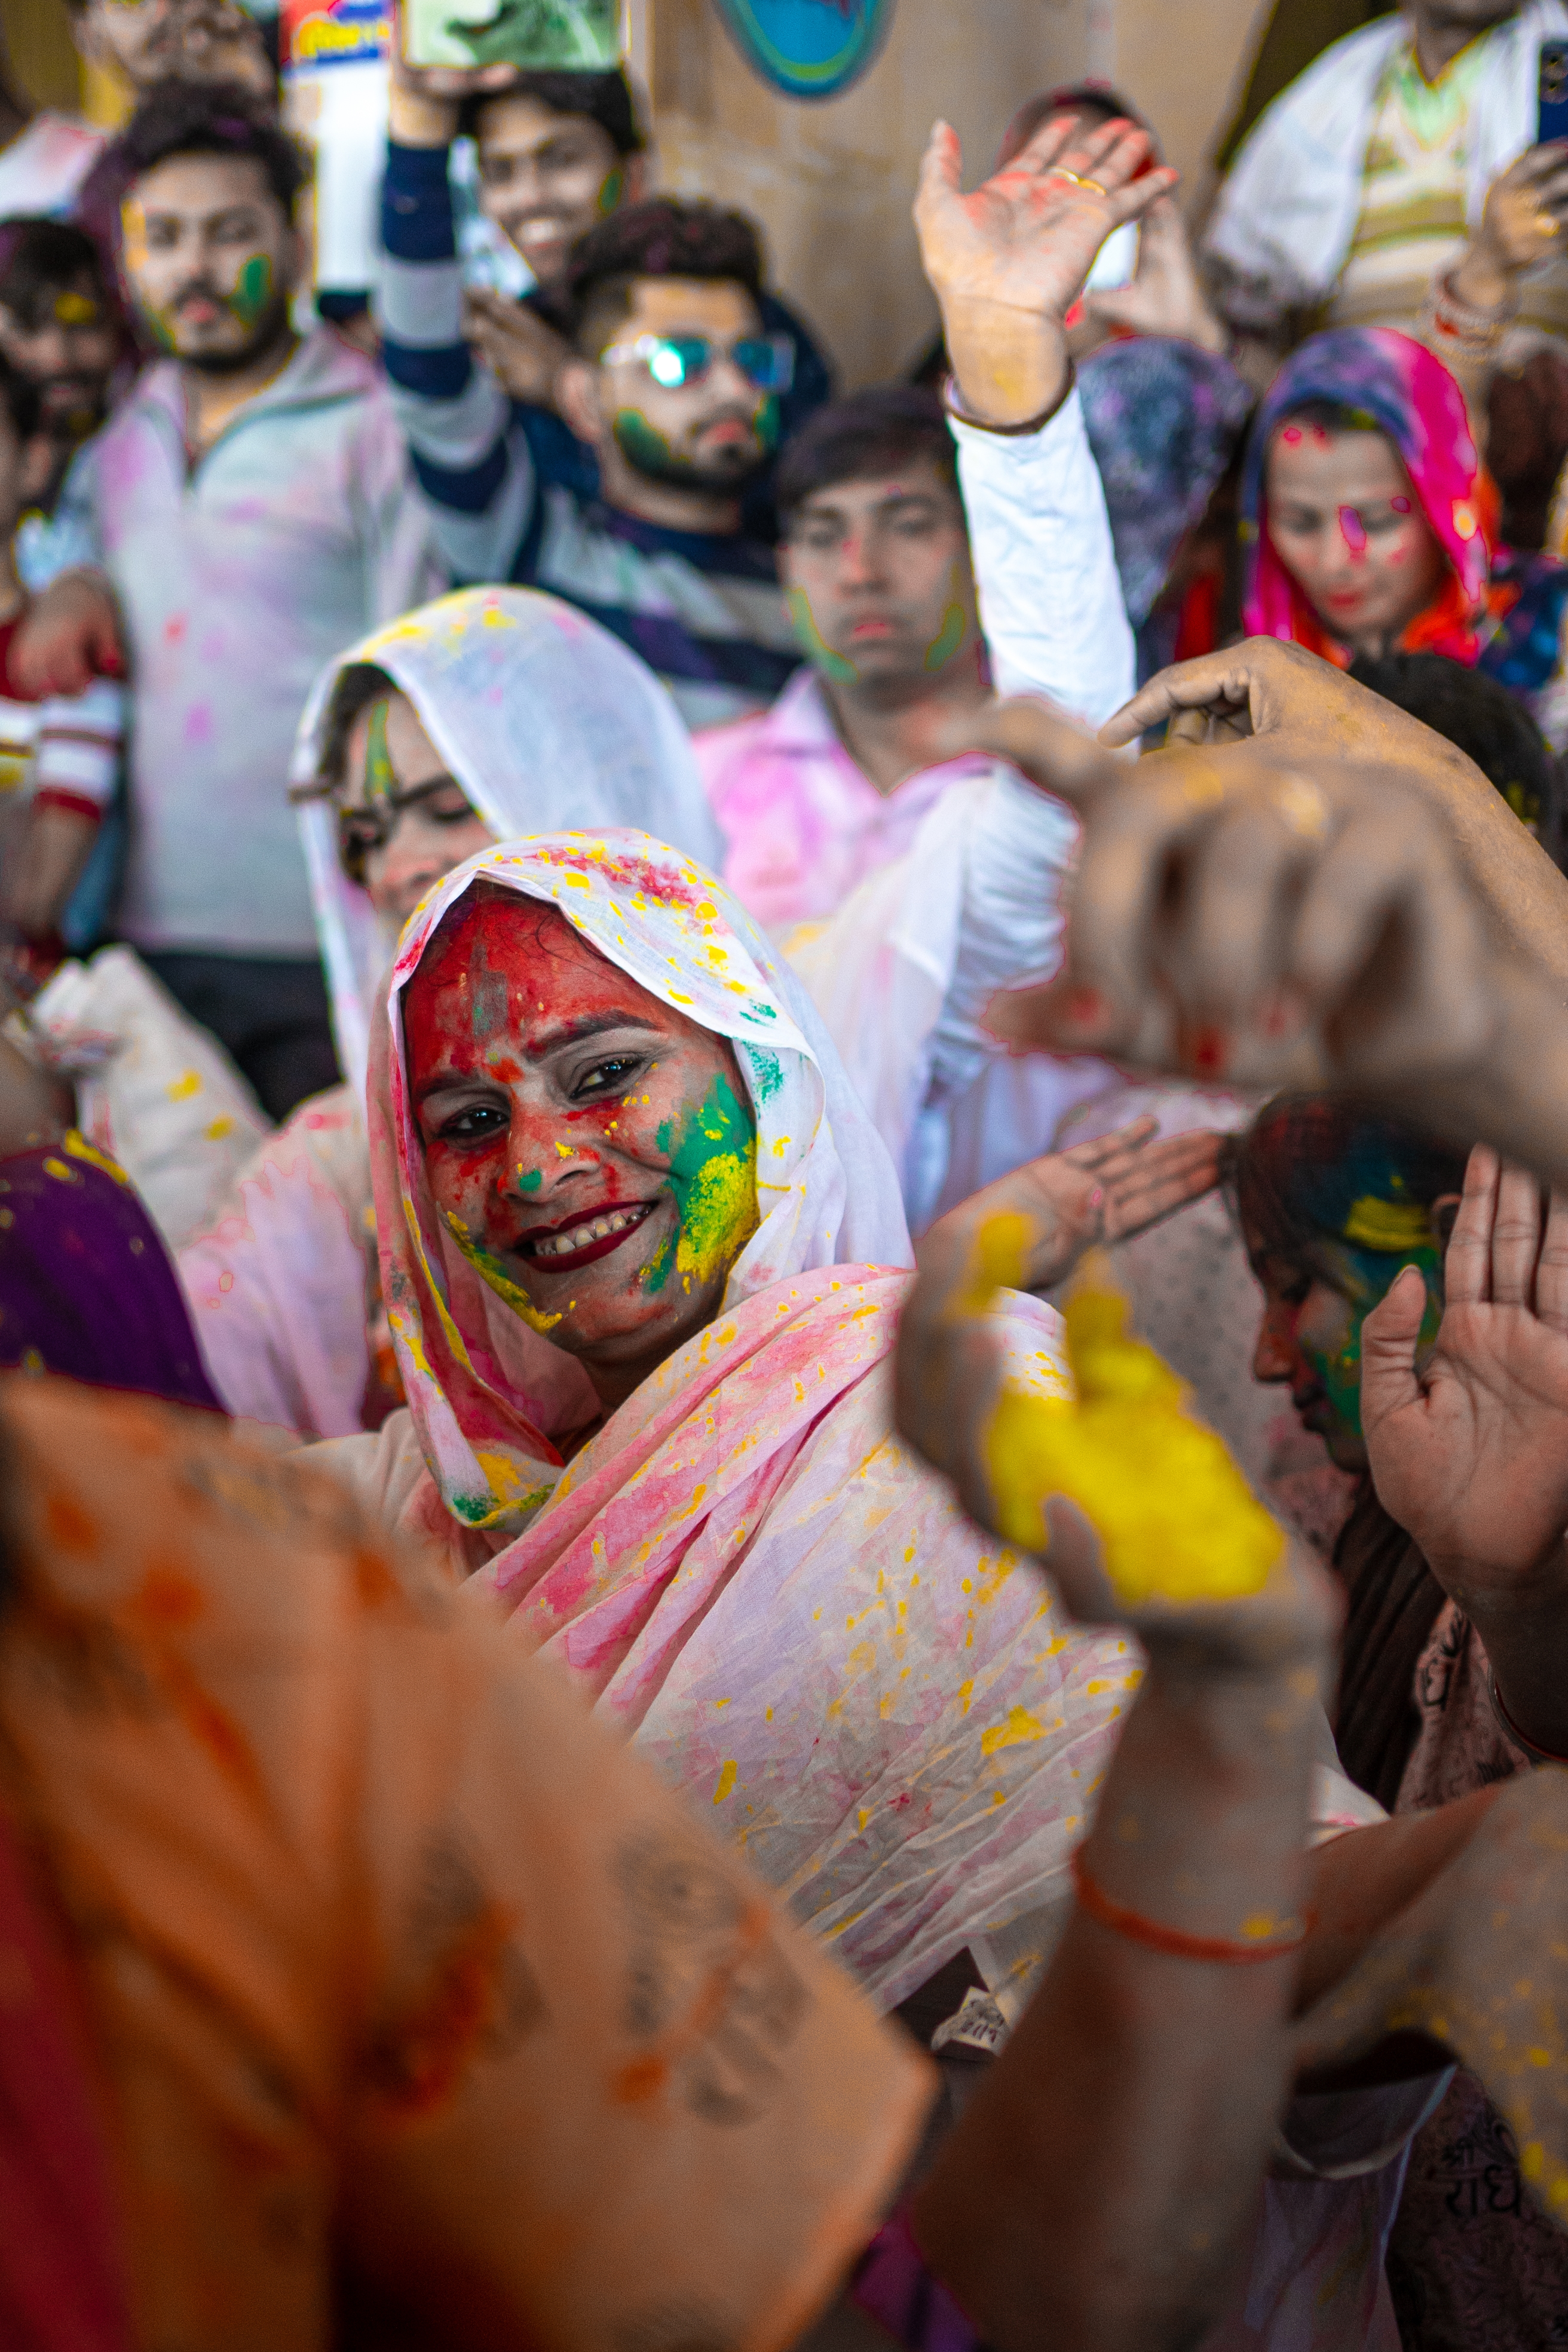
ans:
x=1371 y=524
x=643 y=1254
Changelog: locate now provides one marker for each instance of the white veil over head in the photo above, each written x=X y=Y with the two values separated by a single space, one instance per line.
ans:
x=546 y=722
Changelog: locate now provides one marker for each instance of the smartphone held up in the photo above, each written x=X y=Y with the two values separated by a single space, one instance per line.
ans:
x=538 y=36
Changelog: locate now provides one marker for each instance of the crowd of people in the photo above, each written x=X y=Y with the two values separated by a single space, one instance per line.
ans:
x=684 y=1060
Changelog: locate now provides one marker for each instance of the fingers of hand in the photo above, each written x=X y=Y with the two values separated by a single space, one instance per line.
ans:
x=1389 y=1335
x=1043 y=745
x=1467 y=1265
x=1242 y=894
x=1076 y=1565
x=1516 y=1238
x=1551 y=1268
x=1212 y=680
x=1115 y=1151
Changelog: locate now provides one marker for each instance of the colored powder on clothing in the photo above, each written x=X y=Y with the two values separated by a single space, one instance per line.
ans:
x=1175 y=1517
x=713 y=1176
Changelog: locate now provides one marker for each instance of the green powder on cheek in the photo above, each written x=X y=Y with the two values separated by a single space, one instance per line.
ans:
x=1339 y=1371
x=946 y=643
x=769 y=423
x=253 y=289
x=489 y=1269
x=713 y=1176
x=611 y=189
x=640 y=443
x=818 y=650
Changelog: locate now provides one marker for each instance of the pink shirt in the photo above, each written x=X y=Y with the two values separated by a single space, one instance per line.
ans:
x=802 y=822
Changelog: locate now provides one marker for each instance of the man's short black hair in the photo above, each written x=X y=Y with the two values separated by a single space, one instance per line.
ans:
x=190 y=118
x=42 y=259
x=868 y=433
x=659 y=238
x=19 y=401
x=605 y=98
x=1485 y=721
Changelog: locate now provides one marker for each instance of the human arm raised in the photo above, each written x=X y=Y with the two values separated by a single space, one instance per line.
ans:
x=1242 y=915
x=1470 y=1452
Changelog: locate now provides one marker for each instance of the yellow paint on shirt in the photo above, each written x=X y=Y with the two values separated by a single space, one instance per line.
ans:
x=727 y=1772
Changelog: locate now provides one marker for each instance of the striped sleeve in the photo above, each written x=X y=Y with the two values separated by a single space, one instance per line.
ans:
x=77 y=757
x=473 y=466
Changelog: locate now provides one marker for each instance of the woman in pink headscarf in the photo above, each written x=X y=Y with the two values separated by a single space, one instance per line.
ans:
x=1370 y=523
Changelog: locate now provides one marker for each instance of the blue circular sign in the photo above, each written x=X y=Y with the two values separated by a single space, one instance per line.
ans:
x=808 y=48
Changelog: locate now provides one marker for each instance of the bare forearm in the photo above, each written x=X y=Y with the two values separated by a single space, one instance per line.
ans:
x=1099 y=2190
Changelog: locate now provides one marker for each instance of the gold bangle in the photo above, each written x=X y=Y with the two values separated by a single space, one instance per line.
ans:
x=1060 y=172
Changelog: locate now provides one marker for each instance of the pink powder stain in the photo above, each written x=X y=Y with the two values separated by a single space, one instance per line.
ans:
x=1291 y=435
x=173 y=628
x=1400 y=505
x=1352 y=527
x=199 y=727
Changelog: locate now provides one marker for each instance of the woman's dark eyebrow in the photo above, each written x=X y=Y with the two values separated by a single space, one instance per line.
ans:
x=572 y=1032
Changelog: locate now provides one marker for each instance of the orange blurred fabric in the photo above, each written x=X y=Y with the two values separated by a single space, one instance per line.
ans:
x=396 y=1966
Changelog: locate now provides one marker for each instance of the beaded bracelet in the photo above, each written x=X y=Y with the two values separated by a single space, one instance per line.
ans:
x=1231 y=1952
x=1468 y=332
x=894 y=2287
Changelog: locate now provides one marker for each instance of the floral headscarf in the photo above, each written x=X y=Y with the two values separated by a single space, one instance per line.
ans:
x=487 y=1394
x=541 y=717
x=1398 y=388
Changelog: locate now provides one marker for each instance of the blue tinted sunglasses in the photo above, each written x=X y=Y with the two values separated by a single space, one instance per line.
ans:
x=767 y=361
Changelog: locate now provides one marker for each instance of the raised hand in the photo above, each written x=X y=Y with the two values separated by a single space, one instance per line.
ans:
x=1165 y=296
x=1104 y=1191
x=69 y=636
x=1521 y=224
x=1009 y=262
x=1470 y=1455
x=426 y=101
x=523 y=353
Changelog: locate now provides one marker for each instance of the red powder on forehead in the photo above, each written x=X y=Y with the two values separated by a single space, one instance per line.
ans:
x=1292 y=434
x=503 y=972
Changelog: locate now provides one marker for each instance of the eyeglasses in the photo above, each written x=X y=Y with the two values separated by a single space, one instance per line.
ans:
x=369 y=825
x=767 y=361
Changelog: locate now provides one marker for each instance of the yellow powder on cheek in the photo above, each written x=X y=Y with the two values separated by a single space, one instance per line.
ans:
x=720 y=1214
x=1175 y=1518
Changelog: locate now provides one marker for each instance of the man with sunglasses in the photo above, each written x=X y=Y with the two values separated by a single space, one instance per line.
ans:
x=675 y=386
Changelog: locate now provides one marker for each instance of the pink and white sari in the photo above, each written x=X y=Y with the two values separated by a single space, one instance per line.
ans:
x=744 y=1566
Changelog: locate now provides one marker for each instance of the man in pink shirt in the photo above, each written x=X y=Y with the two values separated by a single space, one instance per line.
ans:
x=832 y=782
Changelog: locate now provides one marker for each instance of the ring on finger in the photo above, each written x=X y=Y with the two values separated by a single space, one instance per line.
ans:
x=1075 y=179
x=1304 y=807
x=1546 y=224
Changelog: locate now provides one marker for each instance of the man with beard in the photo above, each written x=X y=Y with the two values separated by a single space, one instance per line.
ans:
x=676 y=387
x=248 y=513
x=61 y=328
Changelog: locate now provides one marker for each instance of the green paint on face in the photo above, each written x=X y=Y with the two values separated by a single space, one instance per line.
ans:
x=769 y=424
x=530 y=1182
x=490 y=1269
x=713 y=1176
x=612 y=188
x=948 y=639
x=1363 y=1279
x=380 y=782
x=814 y=645
x=253 y=291
x=642 y=445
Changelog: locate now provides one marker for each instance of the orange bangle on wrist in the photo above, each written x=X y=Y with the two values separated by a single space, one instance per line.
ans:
x=1236 y=1952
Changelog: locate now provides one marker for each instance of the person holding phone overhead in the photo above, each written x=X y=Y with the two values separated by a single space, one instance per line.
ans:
x=1409 y=179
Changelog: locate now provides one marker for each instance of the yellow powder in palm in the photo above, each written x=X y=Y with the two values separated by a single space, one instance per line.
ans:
x=1176 y=1519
